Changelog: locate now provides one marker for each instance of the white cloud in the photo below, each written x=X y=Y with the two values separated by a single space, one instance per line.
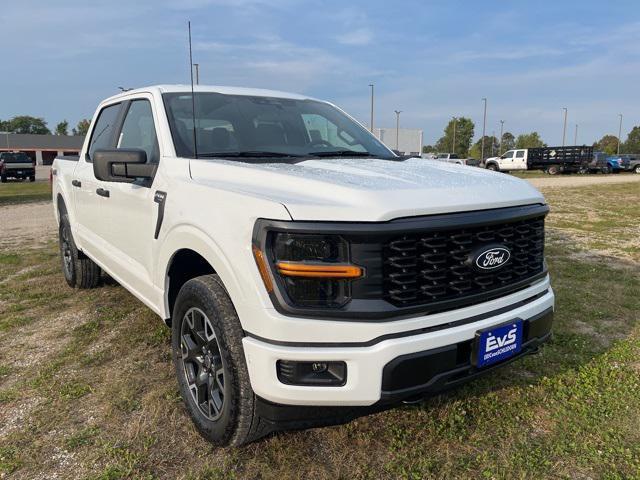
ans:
x=358 y=37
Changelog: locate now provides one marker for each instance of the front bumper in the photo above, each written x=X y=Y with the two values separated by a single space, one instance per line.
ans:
x=374 y=370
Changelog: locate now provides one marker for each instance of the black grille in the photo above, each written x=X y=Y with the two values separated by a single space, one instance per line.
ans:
x=428 y=267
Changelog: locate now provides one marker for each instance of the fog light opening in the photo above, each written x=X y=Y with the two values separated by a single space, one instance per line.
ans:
x=320 y=374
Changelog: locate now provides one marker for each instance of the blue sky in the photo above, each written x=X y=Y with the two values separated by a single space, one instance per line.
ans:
x=430 y=59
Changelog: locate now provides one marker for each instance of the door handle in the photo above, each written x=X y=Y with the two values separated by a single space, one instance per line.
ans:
x=76 y=183
x=102 y=192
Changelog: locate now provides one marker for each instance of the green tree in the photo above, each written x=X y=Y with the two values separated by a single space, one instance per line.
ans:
x=428 y=149
x=27 y=124
x=464 y=135
x=82 y=128
x=4 y=126
x=62 y=128
x=529 y=140
x=632 y=145
x=607 y=144
x=491 y=147
x=508 y=142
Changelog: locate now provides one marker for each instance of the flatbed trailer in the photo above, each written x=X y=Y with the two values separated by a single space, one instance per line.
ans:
x=553 y=160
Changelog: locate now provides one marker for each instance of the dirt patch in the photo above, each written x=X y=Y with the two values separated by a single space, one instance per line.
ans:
x=31 y=224
x=581 y=181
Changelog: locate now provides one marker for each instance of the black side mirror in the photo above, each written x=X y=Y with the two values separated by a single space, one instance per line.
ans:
x=123 y=165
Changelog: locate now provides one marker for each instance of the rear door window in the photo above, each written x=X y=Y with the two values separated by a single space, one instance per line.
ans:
x=520 y=154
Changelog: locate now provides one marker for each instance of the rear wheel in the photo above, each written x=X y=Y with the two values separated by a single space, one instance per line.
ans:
x=637 y=169
x=553 y=170
x=607 y=170
x=32 y=178
x=210 y=364
x=3 y=178
x=78 y=269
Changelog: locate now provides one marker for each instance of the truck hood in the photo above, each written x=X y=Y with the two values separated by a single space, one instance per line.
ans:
x=357 y=189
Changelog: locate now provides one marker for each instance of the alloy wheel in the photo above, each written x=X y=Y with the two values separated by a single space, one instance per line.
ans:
x=202 y=363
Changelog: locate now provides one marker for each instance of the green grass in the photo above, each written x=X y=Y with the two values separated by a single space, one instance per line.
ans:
x=108 y=396
x=21 y=192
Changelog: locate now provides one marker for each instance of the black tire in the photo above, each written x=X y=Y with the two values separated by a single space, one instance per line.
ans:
x=553 y=170
x=3 y=178
x=607 y=170
x=78 y=269
x=637 y=169
x=210 y=364
x=493 y=167
x=32 y=178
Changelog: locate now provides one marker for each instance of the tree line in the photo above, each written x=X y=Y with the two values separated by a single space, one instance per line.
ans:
x=459 y=132
x=38 y=126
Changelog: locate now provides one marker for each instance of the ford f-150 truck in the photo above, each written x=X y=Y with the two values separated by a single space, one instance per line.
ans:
x=308 y=274
x=16 y=165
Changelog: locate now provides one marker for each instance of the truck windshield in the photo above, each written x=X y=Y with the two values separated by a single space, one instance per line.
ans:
x=238 y=126
x=15 y=158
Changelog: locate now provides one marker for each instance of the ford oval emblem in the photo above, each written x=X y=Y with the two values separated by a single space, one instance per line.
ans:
x=492 y=258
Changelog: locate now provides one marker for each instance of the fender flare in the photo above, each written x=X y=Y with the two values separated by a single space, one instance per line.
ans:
x=189 y=237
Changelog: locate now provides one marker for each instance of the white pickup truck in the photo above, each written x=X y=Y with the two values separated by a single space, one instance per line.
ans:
x=308 y=274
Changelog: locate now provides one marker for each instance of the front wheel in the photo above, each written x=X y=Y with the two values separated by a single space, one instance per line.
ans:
x=32 y=178
x=637 y=169
x=210 y=364
x=493 y=167
x=3 y=178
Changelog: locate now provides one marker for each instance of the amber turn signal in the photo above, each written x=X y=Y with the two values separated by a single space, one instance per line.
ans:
x=262 y=268
x=290 y=269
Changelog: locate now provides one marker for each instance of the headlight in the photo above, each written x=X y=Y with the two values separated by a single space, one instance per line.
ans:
x=310 y=270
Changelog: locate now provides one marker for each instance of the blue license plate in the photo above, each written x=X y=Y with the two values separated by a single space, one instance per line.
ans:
x=498 y=343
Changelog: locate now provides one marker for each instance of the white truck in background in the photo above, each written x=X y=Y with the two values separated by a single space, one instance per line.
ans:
x=308 y=274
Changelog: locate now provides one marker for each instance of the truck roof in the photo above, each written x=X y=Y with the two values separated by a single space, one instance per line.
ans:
x=226 y=90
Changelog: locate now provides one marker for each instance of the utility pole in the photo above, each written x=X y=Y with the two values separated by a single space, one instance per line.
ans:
x=484 y=124
x=398 y=112
x=564 y=129
x=453 y=144
x=619 y=133
x=371 y=122
x=501 y=135
x=197 y=65
x=575 y=136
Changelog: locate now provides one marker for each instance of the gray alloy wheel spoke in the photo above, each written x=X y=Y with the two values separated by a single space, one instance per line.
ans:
x=190 y=350
x=191 y=373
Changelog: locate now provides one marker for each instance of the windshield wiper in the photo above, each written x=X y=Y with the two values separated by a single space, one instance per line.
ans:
x=248 y=154
x=341 y=153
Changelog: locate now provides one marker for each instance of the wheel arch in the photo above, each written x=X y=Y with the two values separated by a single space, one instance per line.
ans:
x=186 y=253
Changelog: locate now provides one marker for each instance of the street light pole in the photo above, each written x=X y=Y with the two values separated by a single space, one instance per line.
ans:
x=398 y=112
x=501 y=135
x=619 y=133
x=575 y=137
x=371 y=122
x=197 y=65
x=564 y=129
x=453 y=143
x=484 y=124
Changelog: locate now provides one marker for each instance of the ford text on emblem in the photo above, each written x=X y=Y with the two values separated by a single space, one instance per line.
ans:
x=492 y=258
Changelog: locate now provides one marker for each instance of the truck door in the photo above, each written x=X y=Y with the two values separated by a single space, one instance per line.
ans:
x=131 y=209
x=89 y=224
x=520 y=160
x=506 y=161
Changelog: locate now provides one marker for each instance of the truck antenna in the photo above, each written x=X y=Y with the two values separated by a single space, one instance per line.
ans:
x=193 y=100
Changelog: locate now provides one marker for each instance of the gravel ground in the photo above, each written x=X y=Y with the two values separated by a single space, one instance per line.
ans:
x=582 y=180
x=29 y=224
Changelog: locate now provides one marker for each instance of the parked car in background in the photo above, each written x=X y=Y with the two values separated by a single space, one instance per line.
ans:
x=308 y=274
x=454 y=158
x=629 y=162
x=601 y=162
x=16 y=165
